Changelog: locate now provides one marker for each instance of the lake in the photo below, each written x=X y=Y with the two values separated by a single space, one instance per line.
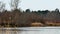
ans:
x=30 y=30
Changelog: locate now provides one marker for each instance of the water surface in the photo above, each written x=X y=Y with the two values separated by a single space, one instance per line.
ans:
x=30 y=30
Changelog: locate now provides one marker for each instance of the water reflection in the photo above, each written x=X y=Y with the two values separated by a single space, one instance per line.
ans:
x=31 y=30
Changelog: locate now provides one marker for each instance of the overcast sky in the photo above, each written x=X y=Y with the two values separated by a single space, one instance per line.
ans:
x=36 y=4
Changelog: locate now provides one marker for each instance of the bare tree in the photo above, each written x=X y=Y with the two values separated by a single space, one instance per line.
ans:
x=14 y=4
x=2 y=6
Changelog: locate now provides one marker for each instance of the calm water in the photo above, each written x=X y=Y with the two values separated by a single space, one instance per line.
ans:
x=31 y=30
